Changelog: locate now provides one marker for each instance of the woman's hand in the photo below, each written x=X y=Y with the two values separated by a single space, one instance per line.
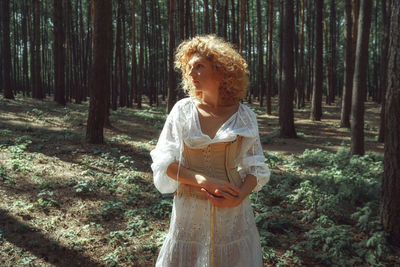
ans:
x=220 y=189
x=223 y=200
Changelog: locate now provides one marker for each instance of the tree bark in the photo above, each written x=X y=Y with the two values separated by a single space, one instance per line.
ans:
x=286 y=116
x=68 y=62
x=124 y=72
x=260 y=49
x=25 y=74
x=311 y=37
x=59 y=78
x=188 y=20
x=133 y=51
x=6 y=51
x=360 y=79
x=100 y=85
x=300 y=78
x=141 y=56
x=333 y=84
x=225 y=23
x=31 y=48
x=116 y=73
x=316 y=105
x=270 y=58
x=181 y=9
x=206 y=17
x=234 y=24
x=279 y=60
x=171 y=46
x=194 y=18
x=242 y=23
x=327 y=59
x=390 y=212
x=37 y=86
x=212 y=16
x=348 y=67
x=383 y=69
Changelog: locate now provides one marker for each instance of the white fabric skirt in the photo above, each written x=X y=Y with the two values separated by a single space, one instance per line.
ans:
x=236 y=241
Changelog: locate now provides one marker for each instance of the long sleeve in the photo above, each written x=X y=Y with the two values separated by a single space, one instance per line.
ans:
x=167 y=150
x=251 y=158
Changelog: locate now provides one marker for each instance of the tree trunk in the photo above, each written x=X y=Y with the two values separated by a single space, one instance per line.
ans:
x=84 y=40
x=151 y=39
x=213 y=16
x=333 y=51
x=279 y=60
x=300 y=76
x=327 y=64
x=316 y=105
x=234 y=24
x=6 y=51
x=286 y=116
x=242 y=23
x=37 y=86
x=270 y=58
x=194 y=17
x=25 y=74
x=141 y=56
x=249 y=58
x=31 y=48
x=360 y=79
x=225 y=23
x=188 y=20
x=100 y=85
x=260 y=49
x=348 y=66
x=68 y=49
x=59 y=78
x=206 y=17
x=124 y=72
x=75 y=58
x=171 y=47
x=116 y=74
x=14 y=55
x=310 y=50
x=133 y=52
x=383 y=69
x=181 y=9
x=390 y=212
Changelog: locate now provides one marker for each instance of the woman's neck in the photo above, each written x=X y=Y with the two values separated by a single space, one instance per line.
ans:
x=210 y=100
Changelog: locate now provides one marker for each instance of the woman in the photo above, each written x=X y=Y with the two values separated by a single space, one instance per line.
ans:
x=209 y=155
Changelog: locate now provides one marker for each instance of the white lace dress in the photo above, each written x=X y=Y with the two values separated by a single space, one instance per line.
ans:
x=235 y=239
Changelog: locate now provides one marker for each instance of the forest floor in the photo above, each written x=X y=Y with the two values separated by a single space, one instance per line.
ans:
x=68 y=203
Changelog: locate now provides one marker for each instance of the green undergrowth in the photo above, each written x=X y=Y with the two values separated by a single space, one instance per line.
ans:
x=319 y=208
x=130 y=201
x=153 y=115
x=322 y=207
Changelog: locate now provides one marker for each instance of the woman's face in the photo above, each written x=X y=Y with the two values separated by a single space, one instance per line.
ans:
x=205 y=77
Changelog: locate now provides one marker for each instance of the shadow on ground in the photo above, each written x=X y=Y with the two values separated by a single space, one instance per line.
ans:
x=32 y=240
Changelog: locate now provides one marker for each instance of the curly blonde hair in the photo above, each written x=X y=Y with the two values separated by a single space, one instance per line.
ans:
x=224 y=57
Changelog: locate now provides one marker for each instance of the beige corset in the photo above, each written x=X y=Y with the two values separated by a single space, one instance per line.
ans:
x=217 y=160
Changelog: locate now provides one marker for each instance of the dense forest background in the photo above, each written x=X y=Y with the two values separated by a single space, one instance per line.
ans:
x=141 y=44
x=84 y=66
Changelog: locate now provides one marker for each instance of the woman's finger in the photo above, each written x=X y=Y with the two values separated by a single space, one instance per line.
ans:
x=213 y=199
x=232 y=187
x=226 y=190
x=233 y=190
x=221 y=193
